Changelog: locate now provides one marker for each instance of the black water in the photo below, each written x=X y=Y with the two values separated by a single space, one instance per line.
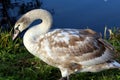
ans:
x=95 y=14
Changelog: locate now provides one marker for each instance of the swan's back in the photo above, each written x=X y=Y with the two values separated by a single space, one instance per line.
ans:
x=63 y=47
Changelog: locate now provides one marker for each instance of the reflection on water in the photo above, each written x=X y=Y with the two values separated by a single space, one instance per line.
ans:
x=105 y=0
x=95 y=14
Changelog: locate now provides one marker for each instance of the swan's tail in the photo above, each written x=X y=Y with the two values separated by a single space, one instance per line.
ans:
x=114 y=64
x=102 y=66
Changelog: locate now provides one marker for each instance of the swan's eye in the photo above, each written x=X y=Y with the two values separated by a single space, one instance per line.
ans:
x=18 y=25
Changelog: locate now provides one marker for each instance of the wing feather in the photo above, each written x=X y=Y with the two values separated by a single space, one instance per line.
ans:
x=74 y=45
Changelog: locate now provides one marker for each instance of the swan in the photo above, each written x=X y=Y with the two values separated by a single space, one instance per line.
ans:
x=70 y=50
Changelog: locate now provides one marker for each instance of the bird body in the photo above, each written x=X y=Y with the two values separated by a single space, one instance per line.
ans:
x=70 y=50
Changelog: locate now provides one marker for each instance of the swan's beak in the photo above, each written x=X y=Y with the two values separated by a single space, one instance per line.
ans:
x=16 y=33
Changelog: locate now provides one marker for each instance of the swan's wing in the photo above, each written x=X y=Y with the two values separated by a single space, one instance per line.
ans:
x=83 y=46
x=106 y=44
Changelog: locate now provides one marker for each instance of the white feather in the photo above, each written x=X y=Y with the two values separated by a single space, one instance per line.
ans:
x=97 y=60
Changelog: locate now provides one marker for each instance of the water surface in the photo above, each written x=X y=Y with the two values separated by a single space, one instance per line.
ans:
x=95 y=14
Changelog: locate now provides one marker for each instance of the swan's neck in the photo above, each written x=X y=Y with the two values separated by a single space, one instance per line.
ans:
x=43 y=15
x=31 y=36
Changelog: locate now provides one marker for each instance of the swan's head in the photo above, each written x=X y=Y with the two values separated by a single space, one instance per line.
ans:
x=20 y=25
x=31 y=16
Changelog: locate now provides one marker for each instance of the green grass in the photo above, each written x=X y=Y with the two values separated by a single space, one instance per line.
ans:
x=16 y=63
